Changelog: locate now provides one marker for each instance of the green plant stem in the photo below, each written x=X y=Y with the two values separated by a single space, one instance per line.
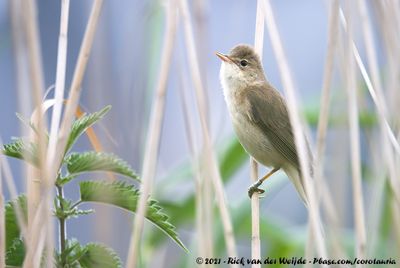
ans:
x=62 y=226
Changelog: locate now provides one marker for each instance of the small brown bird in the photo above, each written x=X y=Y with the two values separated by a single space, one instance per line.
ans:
x=259 y=115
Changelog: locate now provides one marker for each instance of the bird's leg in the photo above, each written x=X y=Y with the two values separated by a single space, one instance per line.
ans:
x=254 y=187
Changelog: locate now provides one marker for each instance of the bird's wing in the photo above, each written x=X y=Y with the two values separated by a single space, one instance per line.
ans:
x=269 y=112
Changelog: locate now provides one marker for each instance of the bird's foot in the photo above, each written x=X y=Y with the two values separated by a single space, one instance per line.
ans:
x=254 y=188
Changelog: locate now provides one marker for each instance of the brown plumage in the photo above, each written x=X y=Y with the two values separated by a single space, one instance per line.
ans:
x=259 y=115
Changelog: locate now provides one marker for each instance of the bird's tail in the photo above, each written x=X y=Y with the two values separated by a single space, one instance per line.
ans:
x=295 y=176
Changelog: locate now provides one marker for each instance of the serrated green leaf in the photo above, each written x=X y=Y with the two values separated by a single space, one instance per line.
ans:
x=98 y=161
x=126 y=196
x=15 y=254
x=80 y=125
x=12 y=228
x=99 y=256
x=22 y=150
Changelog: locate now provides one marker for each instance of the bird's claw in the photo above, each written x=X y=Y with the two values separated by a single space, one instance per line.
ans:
x=254 y=188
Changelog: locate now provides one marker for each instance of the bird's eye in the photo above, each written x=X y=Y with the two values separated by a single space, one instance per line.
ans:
x=244 y=63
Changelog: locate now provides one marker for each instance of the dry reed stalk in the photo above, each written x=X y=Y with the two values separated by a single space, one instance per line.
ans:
x=60 y=81
x=65 y=128
x=320 y=183
x=375 y=95
x=351 y=88
x=255 y=198
x=326 y=88
x=388 y=17
x=381 y=108
x=393 y=48
x=203 y=237
x=389 y=29
x=201 y=24
x=259 y=30
x=204 y=198
x=22 y=82
x=255 y=216
x=24 y=96
x=209 y=154
x=37 y=84
x=75 y=90
x=388 y=136
x=300 y=142
x=55 y=120
x=204 y=193
x=33 y=257
x=377 y=84
x=153 y=135
x=34 y=181
x=21 y=61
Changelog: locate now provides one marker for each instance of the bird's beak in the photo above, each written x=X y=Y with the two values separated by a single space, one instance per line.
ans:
x=223 y=57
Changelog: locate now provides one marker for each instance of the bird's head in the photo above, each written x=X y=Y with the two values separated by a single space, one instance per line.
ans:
x=241 y=67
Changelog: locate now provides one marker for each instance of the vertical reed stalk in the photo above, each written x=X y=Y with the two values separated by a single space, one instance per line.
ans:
x=351 y=88
x=326 y=87
x=60 y=81
x=37 y=84
x=50 y=172
x=202 y=235
x=153 y=135
x=327 y=202
x=377 y=84
x=56 y=115
x=381 y=108
x=24 y=101
x=255 y=198
x=35 y=175
x=75 y=90
x=296 y=123
x=209 y=154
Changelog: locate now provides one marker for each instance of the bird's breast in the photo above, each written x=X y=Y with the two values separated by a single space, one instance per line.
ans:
x=254 y=141
x=250 y=135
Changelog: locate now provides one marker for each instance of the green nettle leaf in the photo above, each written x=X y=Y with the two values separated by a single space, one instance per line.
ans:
x=126 y=196
x=12 y=228
x=99 y=256
x=98 y=161
x=80 y=125
x=22 y=150
x=16 y=253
